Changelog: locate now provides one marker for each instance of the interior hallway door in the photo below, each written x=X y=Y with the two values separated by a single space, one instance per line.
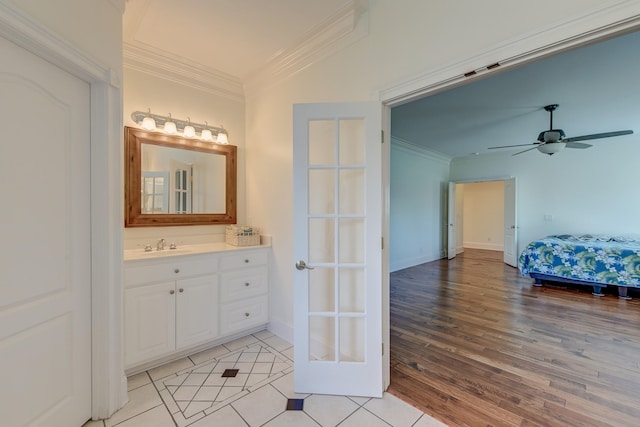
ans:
x=510 y=223
x=45 y=290
x=337 y=230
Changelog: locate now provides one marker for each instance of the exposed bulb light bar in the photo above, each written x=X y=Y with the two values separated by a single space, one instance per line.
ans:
x=169 y=125
x=189 y=131
x=222 y=137
x=148 y=122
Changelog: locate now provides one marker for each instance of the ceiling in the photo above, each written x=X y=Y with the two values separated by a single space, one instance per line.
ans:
x=595 y=86
x=234 y=37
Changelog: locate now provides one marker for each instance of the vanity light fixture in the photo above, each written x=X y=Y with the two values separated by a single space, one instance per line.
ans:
x=222 y=137
x=189 y=131
x=206 y=134
x=148 y=122
x=168 y=124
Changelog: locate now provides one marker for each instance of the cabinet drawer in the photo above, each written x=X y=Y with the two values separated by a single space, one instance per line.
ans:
x=246 y=283
x=244 y=259
x=243 y=314
x=169 y=270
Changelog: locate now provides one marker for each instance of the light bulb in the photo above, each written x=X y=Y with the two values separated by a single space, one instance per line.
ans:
x=170 y=128
x=148 y=123
x=206 y=135
x=189 y=131
x=222 y=138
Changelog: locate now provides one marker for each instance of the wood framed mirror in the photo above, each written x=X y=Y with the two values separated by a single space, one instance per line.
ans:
x=171 y=180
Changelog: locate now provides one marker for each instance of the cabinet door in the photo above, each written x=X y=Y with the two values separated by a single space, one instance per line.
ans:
x=197 y=307
x=149 y=319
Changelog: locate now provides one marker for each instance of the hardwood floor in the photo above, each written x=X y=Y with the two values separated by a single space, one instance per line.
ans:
x=475 y=344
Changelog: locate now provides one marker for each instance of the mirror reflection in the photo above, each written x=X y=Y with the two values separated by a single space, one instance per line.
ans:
x=172 y=180
x=181 y=181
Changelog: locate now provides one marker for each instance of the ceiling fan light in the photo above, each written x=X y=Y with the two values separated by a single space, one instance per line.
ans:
x=551 y=148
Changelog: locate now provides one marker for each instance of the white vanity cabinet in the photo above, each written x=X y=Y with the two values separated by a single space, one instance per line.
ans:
x=243 y=290
x=174 y=304
x=169 y=304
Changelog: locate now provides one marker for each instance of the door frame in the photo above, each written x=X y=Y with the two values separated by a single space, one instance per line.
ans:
x=108 y=382
x=573 y=33
x=504 y=179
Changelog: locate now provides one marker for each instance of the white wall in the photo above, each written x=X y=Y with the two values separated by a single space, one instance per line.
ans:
x=483 y=215
x=585 y=191
x=93 y=26
x=406 y=38
x=418 y=209
x=143 y=91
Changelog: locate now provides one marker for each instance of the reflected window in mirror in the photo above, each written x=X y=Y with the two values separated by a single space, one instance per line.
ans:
x=172 y=180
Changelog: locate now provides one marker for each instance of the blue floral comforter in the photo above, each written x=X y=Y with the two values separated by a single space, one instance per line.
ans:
x=590 y=258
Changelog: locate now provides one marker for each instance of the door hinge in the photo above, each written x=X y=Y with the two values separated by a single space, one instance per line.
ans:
x=383 y=349
x=382 y=136
x=382 y=243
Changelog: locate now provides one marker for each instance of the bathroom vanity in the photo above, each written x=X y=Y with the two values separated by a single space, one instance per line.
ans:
x=178 y=301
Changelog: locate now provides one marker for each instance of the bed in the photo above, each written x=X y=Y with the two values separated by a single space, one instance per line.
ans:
x=595 y=260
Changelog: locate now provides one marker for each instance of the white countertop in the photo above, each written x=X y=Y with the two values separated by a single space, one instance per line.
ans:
x=140 y=254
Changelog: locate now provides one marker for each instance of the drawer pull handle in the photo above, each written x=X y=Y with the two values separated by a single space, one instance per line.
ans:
x=246 y=261
x=181 y=290
x=247 y=284
x=246 y=315
x=177 y=270
x=171 y=292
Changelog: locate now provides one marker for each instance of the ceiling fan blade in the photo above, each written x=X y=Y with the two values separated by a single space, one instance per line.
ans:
x=511 y=146
x=578 y=145
x=598 y=136
x=524 y=151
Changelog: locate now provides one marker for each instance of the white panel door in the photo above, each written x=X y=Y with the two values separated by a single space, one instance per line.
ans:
x=45 y=290
x=510 y=223
x=451 y=221
x=337 y=236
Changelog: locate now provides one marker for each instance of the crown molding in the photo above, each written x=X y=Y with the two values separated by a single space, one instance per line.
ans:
x=622 y=15
x=348 y=25
x=118 y=4
x=146 y=59
x=413 y=149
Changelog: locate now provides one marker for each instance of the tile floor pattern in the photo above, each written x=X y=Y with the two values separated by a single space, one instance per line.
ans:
x=192 y=392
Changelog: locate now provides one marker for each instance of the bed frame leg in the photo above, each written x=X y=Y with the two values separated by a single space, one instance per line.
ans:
x=597 y=291
x=537 y=282
x=622 y=293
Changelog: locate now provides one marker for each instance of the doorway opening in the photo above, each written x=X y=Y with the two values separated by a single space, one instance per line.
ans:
x=431 y=85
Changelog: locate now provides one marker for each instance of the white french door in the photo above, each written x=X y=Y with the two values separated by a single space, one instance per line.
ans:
x=45 y=290
x=337 y=249
x=451 y=221
x=510 y=223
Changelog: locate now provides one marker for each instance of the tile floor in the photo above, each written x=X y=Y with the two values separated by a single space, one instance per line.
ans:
x=192 y=392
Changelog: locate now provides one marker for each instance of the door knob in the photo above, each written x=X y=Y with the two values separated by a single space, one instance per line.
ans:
x=301 y=265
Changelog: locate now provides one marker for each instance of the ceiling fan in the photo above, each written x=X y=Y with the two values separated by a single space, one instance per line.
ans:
x=553 y=140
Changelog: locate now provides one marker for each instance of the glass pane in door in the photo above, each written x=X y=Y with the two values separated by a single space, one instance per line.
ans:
x=352 y=141
x=322 y=149
x=322 y=338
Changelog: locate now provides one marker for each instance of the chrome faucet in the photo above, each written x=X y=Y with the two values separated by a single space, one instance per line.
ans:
x=160 y=245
